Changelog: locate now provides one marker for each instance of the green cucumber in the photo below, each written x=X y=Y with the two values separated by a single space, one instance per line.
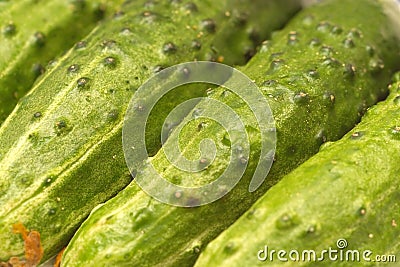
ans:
x=34 y=32
x=60 y=149
x=349 y=190
x=320 y=73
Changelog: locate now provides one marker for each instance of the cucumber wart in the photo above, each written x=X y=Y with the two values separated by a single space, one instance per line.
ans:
x=320 y=74
x=61 y=148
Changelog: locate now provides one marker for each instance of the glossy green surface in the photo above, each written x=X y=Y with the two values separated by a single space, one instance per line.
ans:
x=61 y=148
x=319 y=74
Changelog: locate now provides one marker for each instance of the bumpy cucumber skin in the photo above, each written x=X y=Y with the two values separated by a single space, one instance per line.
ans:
x=60 y=149
x=34 y=32
x=258 y=28
x=251 y=24
x=315 y=96
x=348 y=190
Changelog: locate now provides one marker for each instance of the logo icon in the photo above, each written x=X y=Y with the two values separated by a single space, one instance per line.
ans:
x=147 y=96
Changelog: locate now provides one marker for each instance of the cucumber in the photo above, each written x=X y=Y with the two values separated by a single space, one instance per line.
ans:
x=349 y=190
x=320 y=73
x=60 y=149
x=34 y=32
